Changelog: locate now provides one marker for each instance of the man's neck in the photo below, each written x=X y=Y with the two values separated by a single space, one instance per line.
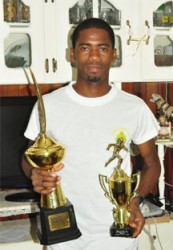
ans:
x=91 y=89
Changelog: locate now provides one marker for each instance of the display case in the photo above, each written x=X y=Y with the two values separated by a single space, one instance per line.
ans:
x=37 y=34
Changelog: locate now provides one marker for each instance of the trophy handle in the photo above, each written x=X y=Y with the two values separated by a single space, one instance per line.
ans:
x=135 y=179
x=102 y=180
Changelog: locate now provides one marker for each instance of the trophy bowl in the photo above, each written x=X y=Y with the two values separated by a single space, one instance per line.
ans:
x=45 y=153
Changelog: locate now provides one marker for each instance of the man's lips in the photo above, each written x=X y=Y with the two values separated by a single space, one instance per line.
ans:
x=94 y=68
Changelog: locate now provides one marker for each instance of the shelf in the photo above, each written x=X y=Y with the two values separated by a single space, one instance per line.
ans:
x=9 y=208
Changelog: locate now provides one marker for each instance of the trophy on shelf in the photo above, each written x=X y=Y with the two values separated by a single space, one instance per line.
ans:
x=56 y=219
x=118 y=189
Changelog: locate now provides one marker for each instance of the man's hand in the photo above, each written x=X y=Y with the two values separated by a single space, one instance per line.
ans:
x=45 y=182
x=137 y=220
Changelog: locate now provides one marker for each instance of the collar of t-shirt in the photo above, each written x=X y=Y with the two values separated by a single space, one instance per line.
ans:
x=91 y=101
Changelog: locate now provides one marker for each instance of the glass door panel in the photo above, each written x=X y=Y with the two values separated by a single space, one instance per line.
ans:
x=163 y=51
x=17 y=50
x=17 y=46
x=16 y=11
x=163 y=15
x=82 y=10
x=22 y=40
x=163 y=45
x=109 y=13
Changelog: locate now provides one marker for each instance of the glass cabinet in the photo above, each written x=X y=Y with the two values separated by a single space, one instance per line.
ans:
x=160 y=51
x=22 y=40
x=73 y=12
x=17 y=46
x=37 y=34
x=163 y=45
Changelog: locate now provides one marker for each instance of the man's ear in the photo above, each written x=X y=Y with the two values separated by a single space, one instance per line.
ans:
x=114 y=56
x=72 y=56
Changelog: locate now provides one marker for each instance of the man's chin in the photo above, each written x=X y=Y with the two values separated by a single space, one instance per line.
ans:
x=94 y=79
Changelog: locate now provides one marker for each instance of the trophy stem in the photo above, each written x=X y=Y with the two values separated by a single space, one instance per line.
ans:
x=53 y=200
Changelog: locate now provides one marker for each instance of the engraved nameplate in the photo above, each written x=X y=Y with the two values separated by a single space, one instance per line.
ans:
x=59 y=221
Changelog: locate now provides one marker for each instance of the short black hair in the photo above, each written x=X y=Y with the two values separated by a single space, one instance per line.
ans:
x=92 y=23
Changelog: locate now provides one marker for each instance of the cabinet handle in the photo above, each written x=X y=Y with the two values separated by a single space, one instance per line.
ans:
x=54 y=64
x=47 y=65
x=130 y=39
x=148 y=32
x=130 y=32
x=144 y=38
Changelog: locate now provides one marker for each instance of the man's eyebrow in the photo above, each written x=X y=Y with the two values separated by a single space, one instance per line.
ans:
x=99 y=44
x=104 y=44
x=81 y=44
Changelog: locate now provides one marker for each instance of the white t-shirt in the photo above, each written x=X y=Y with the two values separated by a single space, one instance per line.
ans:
x=86 y=126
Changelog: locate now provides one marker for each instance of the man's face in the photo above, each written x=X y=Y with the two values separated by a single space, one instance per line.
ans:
x=93 y=55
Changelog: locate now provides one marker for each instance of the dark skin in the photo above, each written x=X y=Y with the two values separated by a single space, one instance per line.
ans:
x=93 y=56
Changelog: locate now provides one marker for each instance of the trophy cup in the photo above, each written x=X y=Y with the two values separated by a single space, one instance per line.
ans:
x=56 y=220
x=118 y=189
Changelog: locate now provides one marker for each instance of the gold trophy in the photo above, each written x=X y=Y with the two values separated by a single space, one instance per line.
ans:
x=118 y=189
x=56 y=220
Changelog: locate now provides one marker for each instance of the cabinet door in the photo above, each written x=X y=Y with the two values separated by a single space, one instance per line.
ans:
x=140 y=38
x=70 y=13
x=64 y=24
x=50 y=39
x=143 y=33
x=157 y=55
x=129 y=68
x=22 y=40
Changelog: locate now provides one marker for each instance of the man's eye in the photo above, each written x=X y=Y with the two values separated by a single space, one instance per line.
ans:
x=84 y=48
x=103 y=49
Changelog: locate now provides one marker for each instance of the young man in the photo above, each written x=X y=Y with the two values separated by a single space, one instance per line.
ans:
x=86 y=116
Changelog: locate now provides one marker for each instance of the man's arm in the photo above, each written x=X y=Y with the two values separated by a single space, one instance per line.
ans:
x=149 y=176
x=27 y=168
x=151 y=169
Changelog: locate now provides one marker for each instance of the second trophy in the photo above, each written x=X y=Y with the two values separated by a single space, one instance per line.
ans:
x=119 y=188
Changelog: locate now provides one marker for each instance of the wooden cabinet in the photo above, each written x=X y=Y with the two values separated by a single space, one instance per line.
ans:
x=143 y=31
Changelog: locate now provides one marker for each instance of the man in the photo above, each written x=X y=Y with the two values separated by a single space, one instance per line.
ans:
x=86 y=116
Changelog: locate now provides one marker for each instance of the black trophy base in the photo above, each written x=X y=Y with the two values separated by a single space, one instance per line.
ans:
x=57 y=225
x=115 y=231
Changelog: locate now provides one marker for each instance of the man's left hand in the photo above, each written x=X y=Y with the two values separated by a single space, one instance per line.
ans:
x=136 y=220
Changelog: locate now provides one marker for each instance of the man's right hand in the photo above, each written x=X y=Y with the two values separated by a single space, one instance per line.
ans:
x=45 y=182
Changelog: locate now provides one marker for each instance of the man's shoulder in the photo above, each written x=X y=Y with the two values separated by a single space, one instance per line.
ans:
x=60 y=91
x=125 y=96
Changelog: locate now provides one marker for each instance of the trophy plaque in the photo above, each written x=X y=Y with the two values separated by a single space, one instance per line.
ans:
x=118 y=189
x=56 y=220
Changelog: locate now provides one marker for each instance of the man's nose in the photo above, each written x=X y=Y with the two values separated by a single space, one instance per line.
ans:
x=94 y=53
